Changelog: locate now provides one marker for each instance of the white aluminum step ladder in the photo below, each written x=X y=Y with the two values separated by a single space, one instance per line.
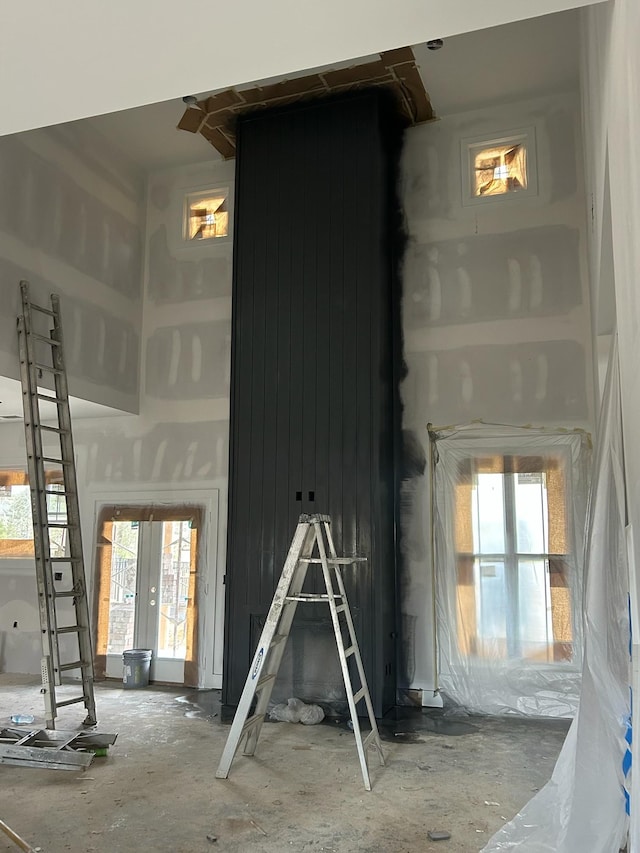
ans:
x=312 y=531
x=45 y=395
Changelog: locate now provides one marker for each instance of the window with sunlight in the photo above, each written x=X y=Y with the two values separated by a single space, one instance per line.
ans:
x=512 y=553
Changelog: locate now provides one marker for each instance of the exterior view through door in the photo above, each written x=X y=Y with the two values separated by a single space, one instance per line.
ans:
x=146 y=590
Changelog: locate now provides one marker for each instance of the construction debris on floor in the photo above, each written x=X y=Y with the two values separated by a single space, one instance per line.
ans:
x=302 y=791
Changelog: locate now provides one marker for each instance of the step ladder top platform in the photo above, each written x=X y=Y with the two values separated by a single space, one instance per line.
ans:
x=314 y=518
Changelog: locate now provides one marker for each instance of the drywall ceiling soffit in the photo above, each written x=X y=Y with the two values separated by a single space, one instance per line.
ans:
x=395 y=71
x=11 y=404
x=74 y=59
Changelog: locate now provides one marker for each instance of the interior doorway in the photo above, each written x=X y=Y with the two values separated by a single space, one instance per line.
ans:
x=146 y=590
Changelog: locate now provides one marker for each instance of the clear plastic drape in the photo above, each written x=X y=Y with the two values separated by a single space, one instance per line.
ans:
x=509 y=509
x=582 y=807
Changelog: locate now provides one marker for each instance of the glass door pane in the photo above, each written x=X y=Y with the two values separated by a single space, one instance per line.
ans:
x=175 y=570
x=124 y=579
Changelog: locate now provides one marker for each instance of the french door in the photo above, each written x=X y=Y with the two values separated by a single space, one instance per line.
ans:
x=148 y=601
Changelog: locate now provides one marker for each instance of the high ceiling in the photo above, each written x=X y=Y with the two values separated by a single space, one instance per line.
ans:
x=517 y=60
x=73 y=59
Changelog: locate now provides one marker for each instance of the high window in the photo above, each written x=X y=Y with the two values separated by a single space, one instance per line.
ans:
x=207 y=215
x=499 y=167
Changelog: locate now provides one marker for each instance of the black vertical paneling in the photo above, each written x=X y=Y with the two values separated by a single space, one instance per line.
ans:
x=313 y=396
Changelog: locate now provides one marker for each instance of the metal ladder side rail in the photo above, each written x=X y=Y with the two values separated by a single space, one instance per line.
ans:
x=373 y=738
x=44 y=579
x=52 y=667
x=268 y=655
x=81 y=605
x=270 y=665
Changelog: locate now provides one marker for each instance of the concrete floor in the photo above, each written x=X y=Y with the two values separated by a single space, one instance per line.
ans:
x=302 y=791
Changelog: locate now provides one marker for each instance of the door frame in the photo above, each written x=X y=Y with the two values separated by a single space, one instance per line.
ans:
x=154 y=505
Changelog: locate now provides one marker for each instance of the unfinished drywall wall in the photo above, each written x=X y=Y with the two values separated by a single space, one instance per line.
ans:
x=176 y=450
x=71 y=222
x=495 y=313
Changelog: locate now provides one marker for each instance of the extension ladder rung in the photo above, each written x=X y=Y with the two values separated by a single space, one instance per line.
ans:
x=66 y=593
x=54 y=429
x=60 y=525
x=47 y=311
x=59 y=492
x=63 y=559
x=48 y=399
x=45 y=340
x=310 y=534
x=54 y=459
x=66 y=667
x=72 y=629
x=48 y=367
x=73 y=701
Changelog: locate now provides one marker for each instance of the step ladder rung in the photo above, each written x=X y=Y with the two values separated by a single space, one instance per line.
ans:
x=334 y=561
x=277 y=639
x=350 y=651
x=59 y=492
x=359 y=695
x=63 y=559
x=45 y=340
x=266 y=679
x=312 y=597
x=369 y=740
x=251 y=722
x=48 y=428
x=66 y=667
x=55 y=460
x=66 y=593
x=341 y=608
x=72 y=629
x=73 y=701
x=60 y=525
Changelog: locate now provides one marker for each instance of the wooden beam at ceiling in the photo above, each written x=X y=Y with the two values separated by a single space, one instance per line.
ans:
x=215 y=116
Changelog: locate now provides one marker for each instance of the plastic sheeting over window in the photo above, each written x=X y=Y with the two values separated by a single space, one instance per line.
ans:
x=582 y=808
x=509 y=509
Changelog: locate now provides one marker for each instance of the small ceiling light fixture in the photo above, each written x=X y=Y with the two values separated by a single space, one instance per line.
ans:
x=435 y=44
x=190 y=100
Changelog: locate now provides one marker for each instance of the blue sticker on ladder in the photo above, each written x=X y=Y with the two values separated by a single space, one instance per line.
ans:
x=256 y=668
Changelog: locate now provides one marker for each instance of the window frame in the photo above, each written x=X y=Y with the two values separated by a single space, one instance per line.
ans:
x=512 y=558
x=190 y=195
x=469 y=147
